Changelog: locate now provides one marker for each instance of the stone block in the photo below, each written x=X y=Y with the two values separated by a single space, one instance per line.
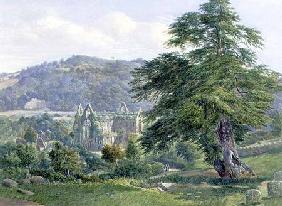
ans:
x=253 y=196
x=274 y=189
x=9 y=183
x=277 y=176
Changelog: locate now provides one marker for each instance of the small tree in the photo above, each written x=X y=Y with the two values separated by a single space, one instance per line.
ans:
x=112 y=153
x=133 y=150
x=30 y=135
x=27 y=154
x=64 y=160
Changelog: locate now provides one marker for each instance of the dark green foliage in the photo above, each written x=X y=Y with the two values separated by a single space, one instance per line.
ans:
x=188 y=151
x=44 y=161
x=79 y=79
x=133 y=150
x=13 y=156
x=8 y=155
x=96 y=163
x=112 y=153
x=93 y=161
x=27 y=154
x=182 y=155
x=137 y=169
x=30 y=135
x=16 y=173
x=277 y=124
x=51 y=175
x=64 y=160
x=8 y=129
x=52 y=129
x=16 y=160
x=90 y=179
x=218 y=78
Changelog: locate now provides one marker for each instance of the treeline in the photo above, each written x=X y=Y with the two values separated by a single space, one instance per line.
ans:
x=65 y=84
x=45 y=125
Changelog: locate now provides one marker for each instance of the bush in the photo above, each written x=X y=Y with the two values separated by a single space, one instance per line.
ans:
x=156 y=168
x=53 y=176
x=112 y=153
x=94 y=163
x=15 y=173
x=189 y=151
x=88 y=178
x=137 y=169
x=133 y=150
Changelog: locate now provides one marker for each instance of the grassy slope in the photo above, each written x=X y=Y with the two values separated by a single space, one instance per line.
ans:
x=265 y=165
x=193 y=184
x=95 y=194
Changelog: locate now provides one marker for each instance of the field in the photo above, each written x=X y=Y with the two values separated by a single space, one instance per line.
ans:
x=195 y=187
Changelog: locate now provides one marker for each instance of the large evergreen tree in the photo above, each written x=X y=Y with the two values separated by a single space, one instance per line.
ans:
x=212 y=91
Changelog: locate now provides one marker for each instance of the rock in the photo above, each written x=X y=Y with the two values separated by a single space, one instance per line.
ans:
x=166 y=186
x=253 y=197
x=25 y=181
x=25 y=192
x=9 y=183
x=278 y=176
x=274 y=189
x=160 y=189
x=37 y=180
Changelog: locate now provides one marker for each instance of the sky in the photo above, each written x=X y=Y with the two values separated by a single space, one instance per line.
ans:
x=34 y=31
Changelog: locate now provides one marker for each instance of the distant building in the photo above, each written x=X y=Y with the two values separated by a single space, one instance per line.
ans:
x=35 y=104
x=93 y=130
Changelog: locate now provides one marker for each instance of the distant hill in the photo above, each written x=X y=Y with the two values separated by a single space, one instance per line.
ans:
x=62 y=85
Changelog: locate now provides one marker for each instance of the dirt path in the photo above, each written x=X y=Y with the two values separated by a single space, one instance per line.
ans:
x=13 y=202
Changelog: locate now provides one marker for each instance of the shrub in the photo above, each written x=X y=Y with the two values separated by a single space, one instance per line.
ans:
x=15 y=173
x=156 y=168
x=137 y=169
x=94 y=163
x=65 y=160
x=133 y=150
x=30 y=135
x=52 y=175
x=112 y=153
x=90 y=179
x=189 y=151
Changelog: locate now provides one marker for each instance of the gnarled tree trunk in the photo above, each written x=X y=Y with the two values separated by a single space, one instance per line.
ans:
x=231 y=166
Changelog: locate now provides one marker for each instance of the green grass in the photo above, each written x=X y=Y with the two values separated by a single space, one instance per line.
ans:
x=205 y=189
x=265 y=165
x=198 y=187
x=106 y=194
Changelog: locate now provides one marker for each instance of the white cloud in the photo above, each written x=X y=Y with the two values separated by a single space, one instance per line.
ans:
x=34 y=31
x=52 y=37
x=117 y=23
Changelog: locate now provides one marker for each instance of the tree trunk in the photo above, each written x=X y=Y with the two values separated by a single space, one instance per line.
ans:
x=231 y=166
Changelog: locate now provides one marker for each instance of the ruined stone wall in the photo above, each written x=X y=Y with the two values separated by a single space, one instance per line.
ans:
x=94 y=130
x=124 y=124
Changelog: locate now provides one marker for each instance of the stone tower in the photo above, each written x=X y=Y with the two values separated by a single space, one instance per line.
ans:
x=86 y=129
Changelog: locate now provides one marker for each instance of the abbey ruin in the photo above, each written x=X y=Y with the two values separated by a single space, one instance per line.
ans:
x=93 y=130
